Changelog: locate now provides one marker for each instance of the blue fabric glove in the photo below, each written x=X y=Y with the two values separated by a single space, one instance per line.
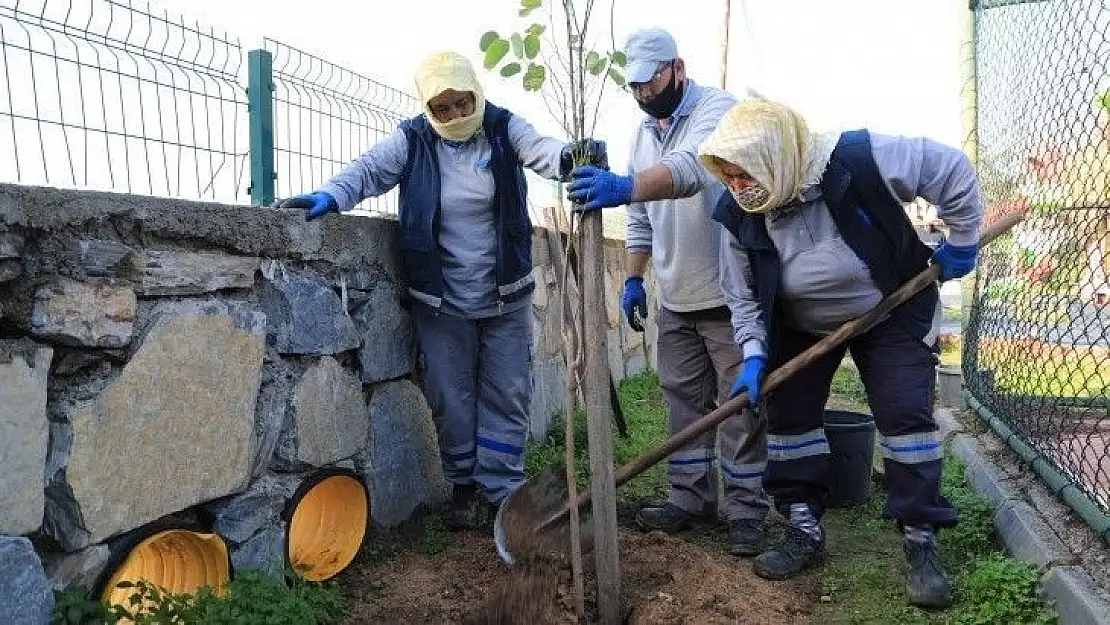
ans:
x=956 y=261
x=751 y=376
x=318 y=203
x=593 y=188
x=634 y=299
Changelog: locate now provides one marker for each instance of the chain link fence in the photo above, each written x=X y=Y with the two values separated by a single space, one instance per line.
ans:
x=110 y=95
x=1037 y=345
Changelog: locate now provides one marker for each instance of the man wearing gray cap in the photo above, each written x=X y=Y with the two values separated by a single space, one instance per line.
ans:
x=670 y=200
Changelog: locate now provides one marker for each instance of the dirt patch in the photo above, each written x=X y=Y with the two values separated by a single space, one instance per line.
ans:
x=666 y=579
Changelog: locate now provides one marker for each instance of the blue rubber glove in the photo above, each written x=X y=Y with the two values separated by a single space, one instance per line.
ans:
x=318 y=203
x=593 y=188
x=634 y=299
x=956 y=261
x=751 y=376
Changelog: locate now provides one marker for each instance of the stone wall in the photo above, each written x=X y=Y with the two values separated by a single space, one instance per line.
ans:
x=171 y=359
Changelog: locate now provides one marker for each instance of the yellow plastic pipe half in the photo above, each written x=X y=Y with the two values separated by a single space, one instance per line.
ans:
x=327 y=521
x=179 y=560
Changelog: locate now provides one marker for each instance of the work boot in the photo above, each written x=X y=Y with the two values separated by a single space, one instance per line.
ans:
x=665 y=518
x=797 y=551
x=463 y=510
x=926 y=582
x=746 y=537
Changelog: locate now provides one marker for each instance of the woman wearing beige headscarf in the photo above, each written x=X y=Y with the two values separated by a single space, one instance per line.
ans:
x=815 y=235
x=465 y=242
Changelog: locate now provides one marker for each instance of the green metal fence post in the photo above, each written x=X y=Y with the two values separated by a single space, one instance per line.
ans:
x=260 y=111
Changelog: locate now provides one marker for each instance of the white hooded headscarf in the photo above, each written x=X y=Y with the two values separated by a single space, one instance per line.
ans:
x=439 y=72
x=773 y=144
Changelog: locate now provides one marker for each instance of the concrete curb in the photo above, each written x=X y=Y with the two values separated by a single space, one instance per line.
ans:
x=1026 y=534
x=1082 y=604
x=984 y=478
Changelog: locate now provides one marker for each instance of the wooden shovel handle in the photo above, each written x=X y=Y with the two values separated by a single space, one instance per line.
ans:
x=681 y=438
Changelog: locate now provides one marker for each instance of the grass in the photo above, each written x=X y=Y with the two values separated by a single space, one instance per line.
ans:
x=1059 y=372
x=646 y=416
x=252 y=597
x=863 y=579
x=847 y=389
x=427 y=535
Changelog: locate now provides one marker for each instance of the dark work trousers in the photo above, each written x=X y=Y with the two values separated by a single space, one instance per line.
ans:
x=477 y=380
x=898 y=373
x=698 y=362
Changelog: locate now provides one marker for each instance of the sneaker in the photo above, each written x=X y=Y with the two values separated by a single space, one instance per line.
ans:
x=797 y=551
x=463 y=510
x=926 y=582
x=746 y=537
x=665 y=518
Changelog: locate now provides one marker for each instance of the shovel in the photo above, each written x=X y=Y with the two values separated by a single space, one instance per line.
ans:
x=543 y=510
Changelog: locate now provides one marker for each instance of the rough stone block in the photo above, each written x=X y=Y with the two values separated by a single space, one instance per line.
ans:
x=26 y=597
x=173 y=431
x=67 y=570
x=328 y=421
x=76 y=313
x=241 y=516
x=1077 y=602
x=387 y=350
x=68 y=361
x=103 y=258
x=24 y=434
x=981 y=473
x=265 y=552
x=278 y=379
x=1028 y=537
x=10 y=269
x=169 y=272
x=11 y=245
x=405 y=470
x=306 y=317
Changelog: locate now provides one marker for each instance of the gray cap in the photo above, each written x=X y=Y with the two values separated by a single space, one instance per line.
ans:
x=645 y=50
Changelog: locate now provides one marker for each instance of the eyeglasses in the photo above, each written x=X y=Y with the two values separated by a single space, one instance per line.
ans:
x=635 y=87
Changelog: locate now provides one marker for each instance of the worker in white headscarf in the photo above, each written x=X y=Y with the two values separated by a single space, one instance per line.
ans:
x=465 y=240
x=815 y=234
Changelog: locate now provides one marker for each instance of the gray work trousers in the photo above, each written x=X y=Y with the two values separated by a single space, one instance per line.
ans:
x=698 y=362
x=477 y=380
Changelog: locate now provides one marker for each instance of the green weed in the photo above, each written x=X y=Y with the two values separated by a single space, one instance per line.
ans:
x=251 y=598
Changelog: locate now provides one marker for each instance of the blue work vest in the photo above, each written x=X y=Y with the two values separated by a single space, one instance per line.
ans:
x=419 y=211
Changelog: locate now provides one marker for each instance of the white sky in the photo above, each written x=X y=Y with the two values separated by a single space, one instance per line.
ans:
x=892 y=65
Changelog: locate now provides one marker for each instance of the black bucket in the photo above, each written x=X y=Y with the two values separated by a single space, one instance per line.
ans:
x=851 y=438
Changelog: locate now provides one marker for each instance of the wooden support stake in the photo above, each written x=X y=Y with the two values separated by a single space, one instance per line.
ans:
x=599 y=429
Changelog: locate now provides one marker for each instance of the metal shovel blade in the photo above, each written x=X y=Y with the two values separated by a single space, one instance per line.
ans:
x=523 y=527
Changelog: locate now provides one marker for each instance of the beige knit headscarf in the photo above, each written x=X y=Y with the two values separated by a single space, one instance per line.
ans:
x=773 y=144
x=439 y=72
